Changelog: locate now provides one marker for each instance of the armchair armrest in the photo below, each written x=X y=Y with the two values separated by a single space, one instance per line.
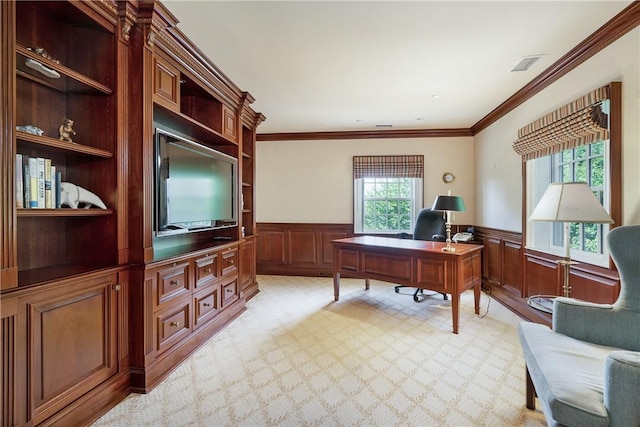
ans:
x=602 y=324
x=621 y=385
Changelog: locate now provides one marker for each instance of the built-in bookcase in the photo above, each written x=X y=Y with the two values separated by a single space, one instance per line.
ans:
x=73 y=78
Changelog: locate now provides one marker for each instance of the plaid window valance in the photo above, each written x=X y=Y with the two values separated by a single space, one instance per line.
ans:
x=578 y=123
x=388 y=166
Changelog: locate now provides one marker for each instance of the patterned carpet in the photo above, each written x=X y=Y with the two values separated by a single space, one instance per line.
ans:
x=374 y=358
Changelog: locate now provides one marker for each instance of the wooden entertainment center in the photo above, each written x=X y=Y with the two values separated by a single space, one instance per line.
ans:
x=94 y=303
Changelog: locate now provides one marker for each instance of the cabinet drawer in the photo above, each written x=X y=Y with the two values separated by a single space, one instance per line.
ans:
x=173 y=324
x=173 y=282
x=230 y=262
x=229 y=292
x=206 y=271
x=166 y=84
x=206 y=304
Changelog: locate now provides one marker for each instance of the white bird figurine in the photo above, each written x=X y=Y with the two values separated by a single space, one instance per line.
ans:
x=73 y=195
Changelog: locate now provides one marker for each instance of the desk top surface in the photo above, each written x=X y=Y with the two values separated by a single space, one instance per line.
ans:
x=407 y=244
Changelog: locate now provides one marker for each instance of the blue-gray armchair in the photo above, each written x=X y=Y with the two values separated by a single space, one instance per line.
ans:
x=586 y=370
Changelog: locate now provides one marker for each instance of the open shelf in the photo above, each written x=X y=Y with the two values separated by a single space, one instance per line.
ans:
x=62 y=145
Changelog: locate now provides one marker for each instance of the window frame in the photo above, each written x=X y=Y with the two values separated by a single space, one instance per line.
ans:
x=531 y=193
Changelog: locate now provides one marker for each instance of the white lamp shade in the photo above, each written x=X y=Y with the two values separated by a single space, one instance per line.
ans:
x=570 y=202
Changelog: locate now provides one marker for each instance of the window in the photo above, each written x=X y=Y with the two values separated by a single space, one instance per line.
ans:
x=585 y=161
x=386 y=205
x=387 y=193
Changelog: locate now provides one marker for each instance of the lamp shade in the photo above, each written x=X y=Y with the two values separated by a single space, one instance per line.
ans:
x=448 y=203
x=570 y=202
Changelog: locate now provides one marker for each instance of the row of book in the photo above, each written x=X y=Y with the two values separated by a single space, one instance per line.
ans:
x=37 y=183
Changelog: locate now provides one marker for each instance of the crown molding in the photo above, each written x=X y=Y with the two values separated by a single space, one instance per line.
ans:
x=364 y=134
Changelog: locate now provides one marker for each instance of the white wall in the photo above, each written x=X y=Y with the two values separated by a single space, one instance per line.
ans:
x=312 y=181
x=498 y=184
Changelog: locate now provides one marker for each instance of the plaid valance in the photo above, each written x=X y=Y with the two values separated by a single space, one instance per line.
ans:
x=578 y=123
x=388 y=166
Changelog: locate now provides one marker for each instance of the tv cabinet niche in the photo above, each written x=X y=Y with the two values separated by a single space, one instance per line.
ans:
x=184 y=287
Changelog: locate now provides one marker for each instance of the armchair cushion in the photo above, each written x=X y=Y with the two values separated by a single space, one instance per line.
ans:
x=568 y=375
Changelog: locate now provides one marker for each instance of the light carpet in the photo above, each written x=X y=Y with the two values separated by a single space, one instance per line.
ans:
x=375 y=358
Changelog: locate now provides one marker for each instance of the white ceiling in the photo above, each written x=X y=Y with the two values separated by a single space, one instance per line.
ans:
x=351 y=65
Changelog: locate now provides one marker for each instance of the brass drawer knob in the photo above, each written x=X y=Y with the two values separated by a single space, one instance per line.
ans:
x=206 y=304
x=174 y=282
x=176 y=324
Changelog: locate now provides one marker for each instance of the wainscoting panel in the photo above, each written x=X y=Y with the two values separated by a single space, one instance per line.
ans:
x=298 y=249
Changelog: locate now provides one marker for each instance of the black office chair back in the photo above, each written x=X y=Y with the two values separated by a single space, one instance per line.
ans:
x=430 y=225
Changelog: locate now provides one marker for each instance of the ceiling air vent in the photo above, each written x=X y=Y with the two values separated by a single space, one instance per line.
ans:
x=526 y=63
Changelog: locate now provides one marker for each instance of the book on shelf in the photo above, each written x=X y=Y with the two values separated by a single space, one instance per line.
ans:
x=53 y=187
x=47 y=184
x=33 y=183
x=58 y=189
x=26 y=181
x=40 y=183
x=19 y=183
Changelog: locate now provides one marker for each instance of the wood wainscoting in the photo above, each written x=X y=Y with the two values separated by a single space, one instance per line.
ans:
x=297 y=249
x=510 y=272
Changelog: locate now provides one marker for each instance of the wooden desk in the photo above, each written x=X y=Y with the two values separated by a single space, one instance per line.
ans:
x=415 y=263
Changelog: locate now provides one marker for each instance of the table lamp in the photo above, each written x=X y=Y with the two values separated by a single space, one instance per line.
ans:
x=569 y=202
x=448 y=204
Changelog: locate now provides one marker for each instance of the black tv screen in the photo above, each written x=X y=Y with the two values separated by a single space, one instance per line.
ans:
x=195 y=186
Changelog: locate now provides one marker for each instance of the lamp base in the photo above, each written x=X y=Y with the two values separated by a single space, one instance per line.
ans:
x=448 y=249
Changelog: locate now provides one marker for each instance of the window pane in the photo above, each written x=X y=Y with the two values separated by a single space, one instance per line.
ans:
x=581 y=152
x=581 y=171
x=597 y=172
x=567 y=173
x=597 y=148
x=591 y=238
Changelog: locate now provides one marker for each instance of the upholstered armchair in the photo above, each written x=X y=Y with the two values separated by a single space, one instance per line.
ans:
x=586 y=371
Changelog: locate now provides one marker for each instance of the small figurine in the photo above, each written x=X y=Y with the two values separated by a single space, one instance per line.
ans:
x=66 y=130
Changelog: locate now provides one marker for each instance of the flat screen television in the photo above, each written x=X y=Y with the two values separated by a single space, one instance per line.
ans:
x=195 y=186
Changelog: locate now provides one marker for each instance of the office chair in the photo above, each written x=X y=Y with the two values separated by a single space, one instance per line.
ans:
x=430 y=225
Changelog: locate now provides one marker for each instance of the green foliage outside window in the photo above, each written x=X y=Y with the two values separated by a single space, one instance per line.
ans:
x=387 y=204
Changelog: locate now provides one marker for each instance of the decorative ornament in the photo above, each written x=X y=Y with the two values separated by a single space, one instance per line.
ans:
x=66 y=130
x=73 y=196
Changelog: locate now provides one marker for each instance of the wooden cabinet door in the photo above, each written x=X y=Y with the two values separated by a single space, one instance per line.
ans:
x=72 y=343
